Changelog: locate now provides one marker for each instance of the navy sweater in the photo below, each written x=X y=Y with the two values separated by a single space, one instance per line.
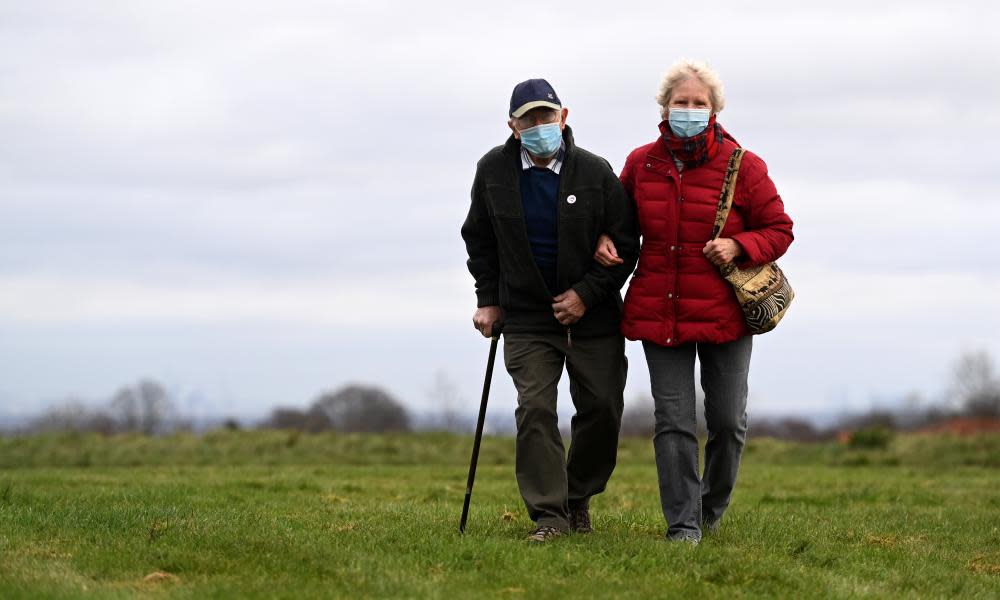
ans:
x=539 y=197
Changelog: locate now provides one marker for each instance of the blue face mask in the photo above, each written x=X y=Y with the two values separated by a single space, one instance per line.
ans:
x=687 y=122
x=542 y=140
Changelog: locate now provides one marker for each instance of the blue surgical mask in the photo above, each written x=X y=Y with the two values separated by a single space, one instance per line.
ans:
x=542 y=140
x=687 y=122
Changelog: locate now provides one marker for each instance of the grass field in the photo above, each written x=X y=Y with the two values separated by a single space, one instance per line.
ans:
x=277 y=514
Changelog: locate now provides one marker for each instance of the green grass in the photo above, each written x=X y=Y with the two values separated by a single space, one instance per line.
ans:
x=274 y=514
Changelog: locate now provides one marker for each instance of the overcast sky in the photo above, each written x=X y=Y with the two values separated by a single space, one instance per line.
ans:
x=256 y=201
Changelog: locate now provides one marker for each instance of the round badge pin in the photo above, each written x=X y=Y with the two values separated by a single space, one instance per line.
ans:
x=571 y=199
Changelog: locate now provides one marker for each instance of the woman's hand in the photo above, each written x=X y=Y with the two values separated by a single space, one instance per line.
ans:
x=722 y=251
x=606 y=254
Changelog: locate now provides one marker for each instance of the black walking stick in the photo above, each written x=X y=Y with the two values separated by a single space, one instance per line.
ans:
x=497 y=329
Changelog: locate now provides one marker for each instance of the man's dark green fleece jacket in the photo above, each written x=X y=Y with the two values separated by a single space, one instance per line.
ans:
x=500 y=256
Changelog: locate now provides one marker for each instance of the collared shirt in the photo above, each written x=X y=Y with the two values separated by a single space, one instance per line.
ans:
x=555 y=165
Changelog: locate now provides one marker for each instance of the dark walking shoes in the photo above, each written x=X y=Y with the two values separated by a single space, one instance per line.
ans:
x=543 y=534
x=579 y=522
x=579 y=519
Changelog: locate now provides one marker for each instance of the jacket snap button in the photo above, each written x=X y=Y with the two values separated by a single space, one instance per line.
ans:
x=571 y=199
x=670 y=295
x=649 y=166
x=669 y=340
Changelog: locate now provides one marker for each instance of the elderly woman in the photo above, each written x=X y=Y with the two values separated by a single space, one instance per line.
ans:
x=678 y=303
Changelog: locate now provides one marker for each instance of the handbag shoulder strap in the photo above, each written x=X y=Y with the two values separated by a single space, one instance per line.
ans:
x=728 y=189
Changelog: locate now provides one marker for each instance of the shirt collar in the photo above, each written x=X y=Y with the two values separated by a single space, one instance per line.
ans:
x=555 y=165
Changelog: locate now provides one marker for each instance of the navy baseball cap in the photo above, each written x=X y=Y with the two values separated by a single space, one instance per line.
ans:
x=532 y=94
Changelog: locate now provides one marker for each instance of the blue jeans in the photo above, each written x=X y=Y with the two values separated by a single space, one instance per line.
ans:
x=687 y=499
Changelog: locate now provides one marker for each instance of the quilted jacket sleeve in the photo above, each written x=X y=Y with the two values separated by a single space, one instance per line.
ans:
x=768 y=231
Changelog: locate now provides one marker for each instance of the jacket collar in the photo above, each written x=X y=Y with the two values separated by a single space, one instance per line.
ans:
x=659 y=152
x=658 y=159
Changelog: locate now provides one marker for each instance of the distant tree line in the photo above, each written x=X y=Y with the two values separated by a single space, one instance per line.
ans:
x=144 y=407
x=147 y=407
x=974 y=393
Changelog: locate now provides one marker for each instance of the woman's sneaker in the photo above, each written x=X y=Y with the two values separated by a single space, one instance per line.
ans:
x=542 y=534
x=710 y=526
x=690 y=538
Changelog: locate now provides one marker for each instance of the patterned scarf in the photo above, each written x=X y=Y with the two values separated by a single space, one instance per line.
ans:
x=697 y=149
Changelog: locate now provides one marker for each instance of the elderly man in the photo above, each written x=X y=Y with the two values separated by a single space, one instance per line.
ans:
x=539 y=205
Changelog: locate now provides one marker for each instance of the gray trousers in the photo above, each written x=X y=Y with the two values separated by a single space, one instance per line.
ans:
x=550 y=482
x=688 y=500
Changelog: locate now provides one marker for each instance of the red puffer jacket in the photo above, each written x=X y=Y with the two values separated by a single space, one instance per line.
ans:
x=677 y=295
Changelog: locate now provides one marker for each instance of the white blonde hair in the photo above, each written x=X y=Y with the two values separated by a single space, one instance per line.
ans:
x=685 y=69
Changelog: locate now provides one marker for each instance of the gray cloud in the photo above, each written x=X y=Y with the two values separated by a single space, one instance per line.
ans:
x=192 y=153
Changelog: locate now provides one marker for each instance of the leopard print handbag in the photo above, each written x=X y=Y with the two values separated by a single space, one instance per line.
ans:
x=763 y=292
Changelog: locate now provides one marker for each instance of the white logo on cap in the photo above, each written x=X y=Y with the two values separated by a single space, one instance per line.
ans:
x=571 y=199
x=550 y=97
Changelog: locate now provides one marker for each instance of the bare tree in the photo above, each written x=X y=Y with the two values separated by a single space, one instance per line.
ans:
x=72 y=415
x=363 y=408
x=144 y=407
x=785 y=428
x=444 y=394
x=975 y=387
x=638 y=419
